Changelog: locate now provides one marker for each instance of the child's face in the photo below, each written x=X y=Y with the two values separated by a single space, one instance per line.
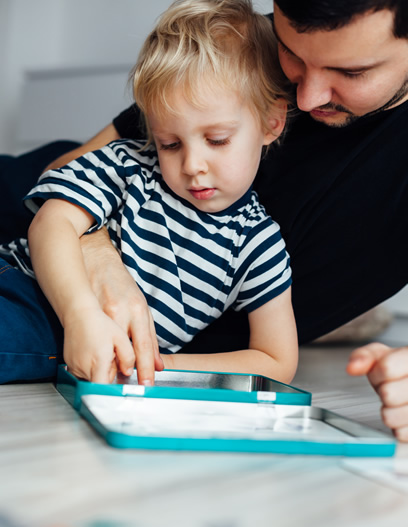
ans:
x=210 y=155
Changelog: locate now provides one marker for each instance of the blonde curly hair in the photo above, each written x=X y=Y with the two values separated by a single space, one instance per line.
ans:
x=222 y=43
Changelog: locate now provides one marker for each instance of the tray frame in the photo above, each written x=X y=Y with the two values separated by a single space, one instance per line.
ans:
x=359 y=440
x=73 y=389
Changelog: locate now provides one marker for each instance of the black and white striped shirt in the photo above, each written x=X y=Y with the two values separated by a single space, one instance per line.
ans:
x=190 y=265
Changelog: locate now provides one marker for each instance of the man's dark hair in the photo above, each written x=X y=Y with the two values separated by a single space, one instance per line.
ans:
x=310 y=15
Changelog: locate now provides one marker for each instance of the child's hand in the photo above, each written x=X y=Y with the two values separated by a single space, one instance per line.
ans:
x=95 y=347
x=387 y=371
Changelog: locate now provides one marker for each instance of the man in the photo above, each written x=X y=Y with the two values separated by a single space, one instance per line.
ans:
x=349 y=63
x=337 y=186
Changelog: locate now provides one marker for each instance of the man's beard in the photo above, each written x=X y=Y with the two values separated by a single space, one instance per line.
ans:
x=351 y=117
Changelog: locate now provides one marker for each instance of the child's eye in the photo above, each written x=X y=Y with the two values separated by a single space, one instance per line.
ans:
x=354 y=74
x=170 y=146
x=219 y=142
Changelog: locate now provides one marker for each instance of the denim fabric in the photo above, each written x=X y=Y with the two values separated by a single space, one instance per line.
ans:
x=31 y=336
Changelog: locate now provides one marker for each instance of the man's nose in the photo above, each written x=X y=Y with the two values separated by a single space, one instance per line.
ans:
x=313 y=91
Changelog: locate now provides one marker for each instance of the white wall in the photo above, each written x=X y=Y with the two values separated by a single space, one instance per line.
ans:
x=30 y=40
x=4 y=17
x=48 y=35
x=398 y=304
x=55 y=34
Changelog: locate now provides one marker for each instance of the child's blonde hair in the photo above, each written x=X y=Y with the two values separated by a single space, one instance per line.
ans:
x=217 y=42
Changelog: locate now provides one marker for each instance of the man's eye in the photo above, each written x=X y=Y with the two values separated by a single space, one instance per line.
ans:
x=219 y=142
x=286 y=51
x=170 y=146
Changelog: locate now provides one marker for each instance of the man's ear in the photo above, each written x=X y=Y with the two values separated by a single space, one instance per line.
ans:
x=276 y=121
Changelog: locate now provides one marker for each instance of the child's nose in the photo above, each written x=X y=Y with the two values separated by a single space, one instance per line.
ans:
x=194 y=163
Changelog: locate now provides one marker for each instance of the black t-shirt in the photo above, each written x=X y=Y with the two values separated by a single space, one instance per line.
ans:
x=340 y=197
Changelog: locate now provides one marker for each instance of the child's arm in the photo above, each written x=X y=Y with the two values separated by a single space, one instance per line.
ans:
x=94 y=345
x=273 y=346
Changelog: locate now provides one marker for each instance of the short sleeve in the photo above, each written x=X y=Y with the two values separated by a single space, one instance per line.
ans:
x=265 y=270
x=96 y=182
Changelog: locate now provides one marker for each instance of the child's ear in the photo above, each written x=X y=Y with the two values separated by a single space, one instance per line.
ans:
x=276 y=121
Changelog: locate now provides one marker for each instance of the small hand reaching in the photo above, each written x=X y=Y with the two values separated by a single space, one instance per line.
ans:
x=95 y=347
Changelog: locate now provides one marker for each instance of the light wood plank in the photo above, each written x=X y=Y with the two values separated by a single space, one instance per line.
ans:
x=55 y=471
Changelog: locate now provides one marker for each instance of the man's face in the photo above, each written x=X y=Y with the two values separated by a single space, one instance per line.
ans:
x=345 y=73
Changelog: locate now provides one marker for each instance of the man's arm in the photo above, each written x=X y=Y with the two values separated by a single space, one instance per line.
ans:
x=101 y=139
x=387 y=371
x=121 y=299
x=273 y=347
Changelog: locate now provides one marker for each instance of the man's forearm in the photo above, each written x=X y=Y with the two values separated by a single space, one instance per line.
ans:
x=121 y=299
x=99 y=254
x=101 y=139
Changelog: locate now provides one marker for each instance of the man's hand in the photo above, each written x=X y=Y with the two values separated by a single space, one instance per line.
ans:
x=122 y=300
x=387 y=371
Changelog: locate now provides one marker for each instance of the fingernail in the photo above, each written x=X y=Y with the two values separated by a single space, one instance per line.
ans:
x=356 y=359
x=147 y=383
x=129 y=372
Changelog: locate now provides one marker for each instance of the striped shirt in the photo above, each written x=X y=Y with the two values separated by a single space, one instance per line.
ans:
x=190 y=265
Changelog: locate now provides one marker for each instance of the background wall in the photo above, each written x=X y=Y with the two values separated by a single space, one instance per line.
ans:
x=46 y=37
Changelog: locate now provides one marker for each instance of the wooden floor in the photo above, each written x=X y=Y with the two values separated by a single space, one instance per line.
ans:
x=55 y=471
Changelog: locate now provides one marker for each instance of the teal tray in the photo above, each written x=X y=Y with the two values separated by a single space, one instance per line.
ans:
x=194 y=385
x=176 y=424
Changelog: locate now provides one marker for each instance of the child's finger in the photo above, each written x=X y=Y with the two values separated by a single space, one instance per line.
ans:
x=125 y=354
x=113 y=371
x=158 y=361
x=146 y=350
x=100 y=373
x=145 y=362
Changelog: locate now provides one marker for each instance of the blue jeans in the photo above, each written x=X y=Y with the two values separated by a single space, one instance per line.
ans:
x=31 y=336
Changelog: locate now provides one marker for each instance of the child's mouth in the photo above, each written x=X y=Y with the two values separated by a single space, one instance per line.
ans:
x=203 y=193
